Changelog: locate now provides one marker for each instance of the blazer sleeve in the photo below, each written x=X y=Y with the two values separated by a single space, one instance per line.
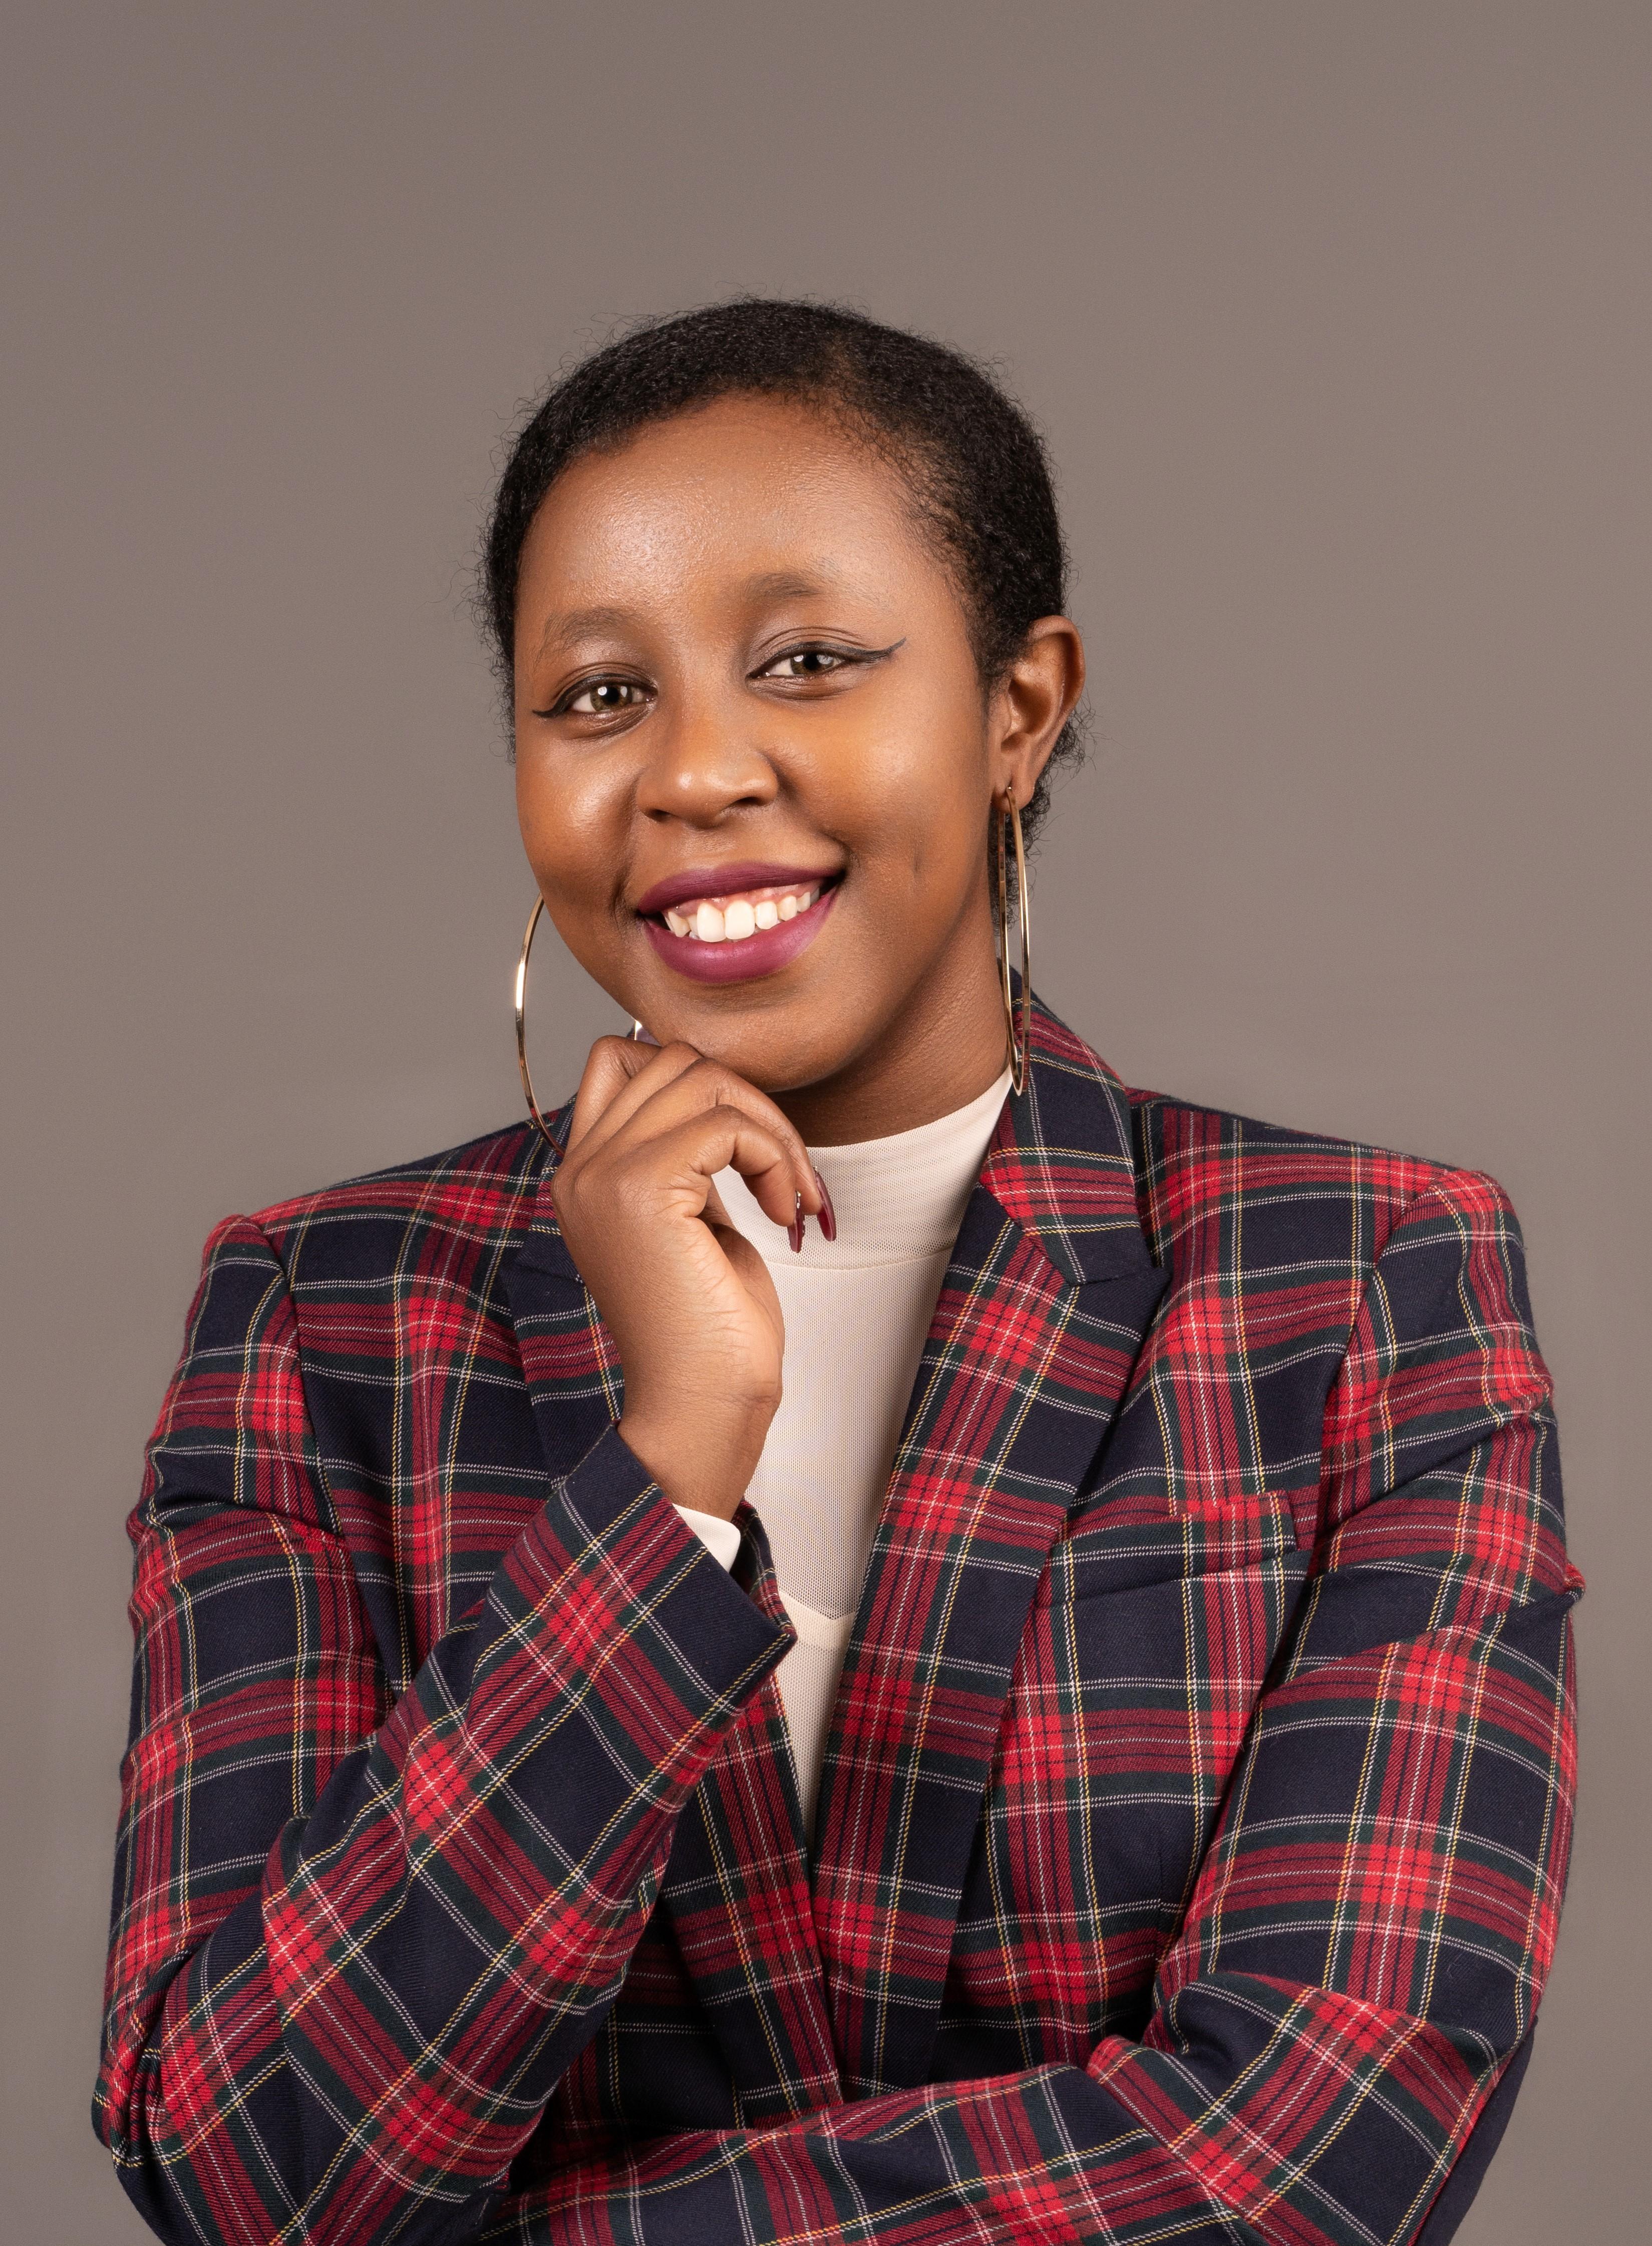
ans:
x=355 y=1944
x=1358 y=1966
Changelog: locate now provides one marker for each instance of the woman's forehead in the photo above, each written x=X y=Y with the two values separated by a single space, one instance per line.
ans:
x=767 y=494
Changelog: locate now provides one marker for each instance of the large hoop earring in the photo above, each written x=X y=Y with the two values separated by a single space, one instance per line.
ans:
x=540 y=1124
x=638 y=1033
x=1022 y=1045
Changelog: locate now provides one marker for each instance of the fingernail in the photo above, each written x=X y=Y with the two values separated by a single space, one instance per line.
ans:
x=794 y=1230
x=828 y=1219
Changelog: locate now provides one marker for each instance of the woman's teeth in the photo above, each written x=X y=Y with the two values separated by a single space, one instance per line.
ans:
x=733 y=923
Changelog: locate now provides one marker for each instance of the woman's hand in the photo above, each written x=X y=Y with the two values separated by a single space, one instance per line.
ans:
x=688 y=1302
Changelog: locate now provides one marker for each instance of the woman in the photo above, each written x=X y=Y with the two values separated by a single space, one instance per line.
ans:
x=863 y=1634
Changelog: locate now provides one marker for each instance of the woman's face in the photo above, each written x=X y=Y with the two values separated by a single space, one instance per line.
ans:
x=755 y=763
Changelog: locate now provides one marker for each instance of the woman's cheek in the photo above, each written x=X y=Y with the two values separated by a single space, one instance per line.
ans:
x=568 y=818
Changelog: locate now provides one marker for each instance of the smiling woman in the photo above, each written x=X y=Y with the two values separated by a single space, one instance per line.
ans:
x=1040 y=1708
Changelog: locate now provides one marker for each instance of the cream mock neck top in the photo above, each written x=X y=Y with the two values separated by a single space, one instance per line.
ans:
x=857 y=1310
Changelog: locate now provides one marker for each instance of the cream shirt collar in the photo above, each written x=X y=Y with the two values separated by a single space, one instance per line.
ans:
x=896 y=1200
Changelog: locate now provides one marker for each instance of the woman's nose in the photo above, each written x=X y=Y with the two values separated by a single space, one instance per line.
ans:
x=705 y=761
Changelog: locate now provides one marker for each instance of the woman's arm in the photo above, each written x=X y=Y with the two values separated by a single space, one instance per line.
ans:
x=355 y=1945
x=1370 y=1933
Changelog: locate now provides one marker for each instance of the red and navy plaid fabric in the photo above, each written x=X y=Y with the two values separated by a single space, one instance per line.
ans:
x=1195 y=1812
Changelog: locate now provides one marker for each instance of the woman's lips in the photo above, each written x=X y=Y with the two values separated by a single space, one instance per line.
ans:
x=761 y=953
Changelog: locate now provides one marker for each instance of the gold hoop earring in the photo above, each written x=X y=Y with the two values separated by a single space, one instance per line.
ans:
x=540 y=1124
x=1019 y=1048
x=639 y=1035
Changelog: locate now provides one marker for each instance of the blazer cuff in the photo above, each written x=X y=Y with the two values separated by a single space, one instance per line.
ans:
x=618 y=1548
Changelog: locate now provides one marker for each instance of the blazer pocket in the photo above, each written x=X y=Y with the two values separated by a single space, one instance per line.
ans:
x=1126 y=1543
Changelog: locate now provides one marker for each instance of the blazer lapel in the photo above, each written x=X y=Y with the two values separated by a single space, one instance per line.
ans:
x=1040 y=1317
x=568 y=1358
x=736 y=1884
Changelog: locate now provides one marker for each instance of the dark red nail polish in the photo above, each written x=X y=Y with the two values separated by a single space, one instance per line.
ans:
x=828 y=1219
x=794 y=1230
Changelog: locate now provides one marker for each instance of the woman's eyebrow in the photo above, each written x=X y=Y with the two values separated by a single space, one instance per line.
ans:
x=575 y=625
x=792 y=585
x=583 y=624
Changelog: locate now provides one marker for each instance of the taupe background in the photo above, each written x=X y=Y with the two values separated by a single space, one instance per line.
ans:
x=1338 y=320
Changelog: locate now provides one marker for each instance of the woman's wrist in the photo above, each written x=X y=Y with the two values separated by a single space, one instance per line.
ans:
x=699 y=1475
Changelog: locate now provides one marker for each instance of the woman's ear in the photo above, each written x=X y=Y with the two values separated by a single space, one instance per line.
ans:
x=1037 y=696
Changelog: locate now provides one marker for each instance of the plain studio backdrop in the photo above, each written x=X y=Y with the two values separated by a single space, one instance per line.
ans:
x=1336 y=319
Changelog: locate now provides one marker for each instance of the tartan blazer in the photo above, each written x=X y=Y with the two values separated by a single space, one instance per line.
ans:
x=1195 y=1813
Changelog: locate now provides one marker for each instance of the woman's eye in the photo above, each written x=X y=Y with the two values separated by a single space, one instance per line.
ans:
x=603 y=698
x=805 y=663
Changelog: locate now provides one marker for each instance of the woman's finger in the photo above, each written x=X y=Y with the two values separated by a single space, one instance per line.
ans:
x=687 y=1156
x=614 y=1065
x=661 y=1103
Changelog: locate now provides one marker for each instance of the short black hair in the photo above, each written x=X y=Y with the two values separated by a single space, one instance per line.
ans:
x=973 y=465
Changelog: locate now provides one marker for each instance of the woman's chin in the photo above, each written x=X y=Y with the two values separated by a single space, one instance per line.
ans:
x=777 y=1043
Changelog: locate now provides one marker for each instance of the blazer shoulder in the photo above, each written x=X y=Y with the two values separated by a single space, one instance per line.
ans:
x=429 y=1215
x=1201 y=1167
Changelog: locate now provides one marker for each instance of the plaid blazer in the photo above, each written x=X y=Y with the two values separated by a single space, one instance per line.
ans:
x=1195 y=1818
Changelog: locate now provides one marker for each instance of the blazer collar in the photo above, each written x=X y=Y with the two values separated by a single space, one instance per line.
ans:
x=542 y=1247
x=1062 y=1161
